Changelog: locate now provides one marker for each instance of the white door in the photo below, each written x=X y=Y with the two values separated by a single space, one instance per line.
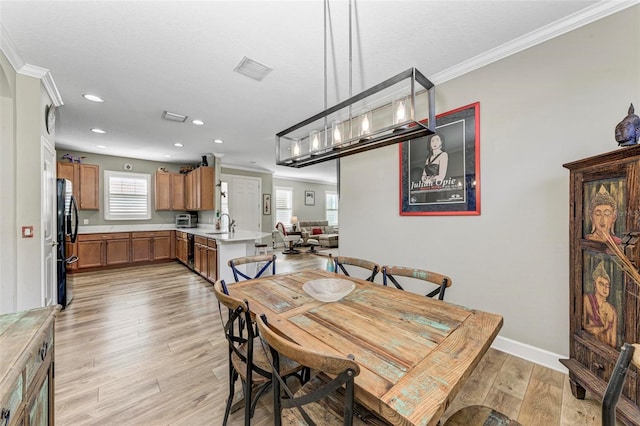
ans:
x=244 y=201
x=49 y=224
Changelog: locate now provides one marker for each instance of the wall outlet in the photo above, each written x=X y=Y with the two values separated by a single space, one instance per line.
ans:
x=85 y=222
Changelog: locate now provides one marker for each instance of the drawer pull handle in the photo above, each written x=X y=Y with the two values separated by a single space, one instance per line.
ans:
x=5 y=416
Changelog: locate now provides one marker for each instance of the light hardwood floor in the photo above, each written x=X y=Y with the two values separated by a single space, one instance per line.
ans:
x=144 y=346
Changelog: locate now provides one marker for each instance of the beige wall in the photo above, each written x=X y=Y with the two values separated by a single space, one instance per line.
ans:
x=8 y=234
x=551 y=104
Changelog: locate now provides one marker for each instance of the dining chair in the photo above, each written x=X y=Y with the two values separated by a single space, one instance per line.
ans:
x=326 y=399
x=342 y=261
x=261 y=261
x=389 y=273
x=247 y=358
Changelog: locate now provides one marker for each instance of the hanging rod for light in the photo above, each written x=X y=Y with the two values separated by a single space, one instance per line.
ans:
x=390 y=112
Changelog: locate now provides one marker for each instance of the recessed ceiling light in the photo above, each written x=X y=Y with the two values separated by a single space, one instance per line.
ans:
x=217 y=141
x=167 y=156
x=197 y=122
x=92 y=98
x=101 y=146
x=98 y=131
x=178 y=144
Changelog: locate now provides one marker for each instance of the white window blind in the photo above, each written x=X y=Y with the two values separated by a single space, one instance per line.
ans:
x=331 y=203
x=126 y=196
x=284 y=205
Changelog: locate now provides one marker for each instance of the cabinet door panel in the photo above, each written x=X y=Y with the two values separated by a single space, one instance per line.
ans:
x=161 y=248
x=117 y=252
x=177 y=192
x=163 y=191
x=141 y=249
x=89 y=254
x=212 y=263
x=89 y=182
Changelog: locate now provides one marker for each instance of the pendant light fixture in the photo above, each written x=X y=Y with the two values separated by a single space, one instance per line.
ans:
x=393 y=111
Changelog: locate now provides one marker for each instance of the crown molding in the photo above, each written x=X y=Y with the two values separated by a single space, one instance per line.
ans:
x=600 y=10
x=18 y=64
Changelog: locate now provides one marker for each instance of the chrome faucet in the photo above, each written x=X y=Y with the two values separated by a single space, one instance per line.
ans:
x=230 y=222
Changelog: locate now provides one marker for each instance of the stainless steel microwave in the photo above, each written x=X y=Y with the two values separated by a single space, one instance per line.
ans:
x=186 y=220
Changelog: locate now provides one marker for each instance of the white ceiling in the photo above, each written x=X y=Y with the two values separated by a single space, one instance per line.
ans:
x=144 y=57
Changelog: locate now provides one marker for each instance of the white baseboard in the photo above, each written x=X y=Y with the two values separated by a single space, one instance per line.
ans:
x=530 y=353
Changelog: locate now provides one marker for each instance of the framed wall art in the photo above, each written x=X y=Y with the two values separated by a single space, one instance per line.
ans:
x=440 y=174
x=309 y=198
x=266 y=204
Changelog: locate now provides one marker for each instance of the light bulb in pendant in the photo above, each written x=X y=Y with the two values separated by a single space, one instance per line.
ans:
x=315 y=140
x=365 y=123
x=296 y=149
x=337 y=132
x=400 y=112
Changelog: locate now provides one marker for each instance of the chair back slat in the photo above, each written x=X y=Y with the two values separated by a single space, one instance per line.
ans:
x=342 y=372
x=389 y=273
x=372 y=267
x=268 y=259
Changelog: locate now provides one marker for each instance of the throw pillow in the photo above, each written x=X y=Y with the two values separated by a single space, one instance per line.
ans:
x=316 y=231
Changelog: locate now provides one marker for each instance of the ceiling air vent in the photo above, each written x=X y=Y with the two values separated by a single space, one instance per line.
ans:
x=252 y=69
x=171 y=116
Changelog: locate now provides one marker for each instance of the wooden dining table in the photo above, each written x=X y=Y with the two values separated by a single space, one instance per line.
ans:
x=414 y=352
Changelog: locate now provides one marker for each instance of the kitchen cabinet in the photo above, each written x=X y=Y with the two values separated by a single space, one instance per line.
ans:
x=182 y=247
x=200 y=255
x=206 y=258
x=95 y=250
x=212 y=260
x=26 y=371
x=604 y=303
x=150 y=246
x=200 y=189
x=86 y=183
x=170 y=191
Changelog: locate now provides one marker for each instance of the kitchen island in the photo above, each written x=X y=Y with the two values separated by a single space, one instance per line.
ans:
x=126 y=245
x=229 y=245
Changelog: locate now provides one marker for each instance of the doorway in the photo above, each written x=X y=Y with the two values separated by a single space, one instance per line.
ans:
x=243 y=201
x=49 y=224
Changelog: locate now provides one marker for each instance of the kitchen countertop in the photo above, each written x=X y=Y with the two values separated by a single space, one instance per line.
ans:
x=207 y=231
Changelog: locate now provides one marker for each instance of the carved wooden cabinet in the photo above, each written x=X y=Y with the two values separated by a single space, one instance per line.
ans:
x=604 y=304
x=26 y=370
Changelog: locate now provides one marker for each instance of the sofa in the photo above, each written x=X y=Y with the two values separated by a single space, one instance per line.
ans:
x=319 y=230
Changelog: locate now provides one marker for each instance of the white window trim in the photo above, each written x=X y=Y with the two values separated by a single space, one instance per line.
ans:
x=107 y=180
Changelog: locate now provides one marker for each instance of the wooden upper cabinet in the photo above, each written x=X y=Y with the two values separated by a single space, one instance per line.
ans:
x=170 y=191
x=200 y=189
x=86 y=183
x=89 y=183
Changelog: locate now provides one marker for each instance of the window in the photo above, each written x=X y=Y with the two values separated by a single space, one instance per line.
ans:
x=284 y=205
x=126 y=196
x=331 y=203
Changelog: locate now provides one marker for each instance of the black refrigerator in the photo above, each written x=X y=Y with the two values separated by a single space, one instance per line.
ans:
x=67 y=226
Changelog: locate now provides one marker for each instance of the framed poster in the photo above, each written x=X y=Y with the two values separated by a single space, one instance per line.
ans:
x=309 y=198
x=440 y=174
x=266 y=204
